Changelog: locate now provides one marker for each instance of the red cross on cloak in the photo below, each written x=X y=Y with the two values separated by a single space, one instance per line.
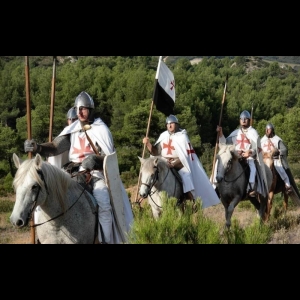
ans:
x=190 y=151
x=170 y=148
x=83 y=149
x=269 y=145
x=243 y=141
x=172 y=85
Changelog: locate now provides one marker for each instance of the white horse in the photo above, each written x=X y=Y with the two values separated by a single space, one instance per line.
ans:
x=68 y=212
x=157 y=178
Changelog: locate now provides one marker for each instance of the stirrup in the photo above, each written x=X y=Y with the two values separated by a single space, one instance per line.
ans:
x=288 y=189
x=252 y=193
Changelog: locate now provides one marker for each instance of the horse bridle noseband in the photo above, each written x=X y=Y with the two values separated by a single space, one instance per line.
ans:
x=150 y=186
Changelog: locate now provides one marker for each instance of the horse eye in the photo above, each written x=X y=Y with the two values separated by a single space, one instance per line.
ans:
x=35 y=186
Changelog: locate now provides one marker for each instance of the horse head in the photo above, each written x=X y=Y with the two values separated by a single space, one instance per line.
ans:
x=226 y=156
x=149 y=175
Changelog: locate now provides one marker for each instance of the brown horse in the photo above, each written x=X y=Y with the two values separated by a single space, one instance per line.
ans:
x=278 y=185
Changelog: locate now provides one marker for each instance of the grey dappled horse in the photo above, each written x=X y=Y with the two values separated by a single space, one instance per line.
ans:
x=232 y=180
x=67 y=213
x=157 y=178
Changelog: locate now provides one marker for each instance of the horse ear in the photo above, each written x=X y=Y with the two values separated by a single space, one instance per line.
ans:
x=142 y=160
x=38 y=160
x=17 y=160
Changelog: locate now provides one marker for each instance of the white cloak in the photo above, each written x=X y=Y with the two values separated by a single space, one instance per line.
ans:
x=188 y=157
x=100 y=134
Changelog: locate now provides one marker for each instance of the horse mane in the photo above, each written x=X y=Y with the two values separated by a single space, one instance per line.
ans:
x=268 y=159
x=56 y=179
x=230 y=148
x=155 y=160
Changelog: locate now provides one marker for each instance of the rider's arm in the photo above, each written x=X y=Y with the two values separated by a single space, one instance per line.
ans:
x=283 y=151
x=59 y=145
x=152 y=149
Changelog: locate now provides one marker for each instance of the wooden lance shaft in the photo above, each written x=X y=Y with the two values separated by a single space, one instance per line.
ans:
x=220 y=122
x=52 y=99
x=27 y=81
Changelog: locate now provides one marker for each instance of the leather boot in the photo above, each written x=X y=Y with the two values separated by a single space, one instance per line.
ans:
x=252 y=191
x=189 y=196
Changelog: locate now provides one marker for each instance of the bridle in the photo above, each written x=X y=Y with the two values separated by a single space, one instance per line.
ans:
x=228 y=168
x=153 y=182
x=35 y=201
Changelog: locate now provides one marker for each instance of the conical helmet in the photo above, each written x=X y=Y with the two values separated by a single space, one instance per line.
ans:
x=245 y=115
x=85 y=100
x=270 y=126
x=71 y=114
x=171 y=119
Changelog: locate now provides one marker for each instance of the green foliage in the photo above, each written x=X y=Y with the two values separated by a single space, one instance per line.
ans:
x=174 y=226
x=6 y=206
x=256 y=233
x=122 y=88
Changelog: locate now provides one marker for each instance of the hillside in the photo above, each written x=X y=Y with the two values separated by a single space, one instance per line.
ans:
x=48 y=60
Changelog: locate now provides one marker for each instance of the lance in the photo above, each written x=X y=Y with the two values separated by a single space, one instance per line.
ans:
x=220 y=122
x=27 y=81
x=251 y=120
x=52 y=99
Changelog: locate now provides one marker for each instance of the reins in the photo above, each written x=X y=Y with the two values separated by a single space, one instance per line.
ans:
x=35 y=201
x=151 y=186
x=235 y=179
x=243 y=171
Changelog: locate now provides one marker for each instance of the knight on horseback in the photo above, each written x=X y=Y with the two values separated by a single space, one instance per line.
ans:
x=272 y=143
x=247 y=143
x=75 y=140
x=174 y=146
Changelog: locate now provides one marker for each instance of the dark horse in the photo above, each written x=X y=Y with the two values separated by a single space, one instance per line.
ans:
x=232 y=177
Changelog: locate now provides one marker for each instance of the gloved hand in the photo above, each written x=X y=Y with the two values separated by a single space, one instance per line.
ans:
x=30 y=146
x=276 y=153
x=93 y=162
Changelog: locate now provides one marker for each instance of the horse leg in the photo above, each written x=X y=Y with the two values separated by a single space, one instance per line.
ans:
x=269 y=205
x=155 y=205
x=230 y=209
x=263 y=207
x=285 y=202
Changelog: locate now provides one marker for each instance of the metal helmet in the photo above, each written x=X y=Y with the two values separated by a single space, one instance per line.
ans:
x=71 y=114
x=245 y=115
x=85 y=100
x=272 y=133
x=270 y=125
x=171 y=119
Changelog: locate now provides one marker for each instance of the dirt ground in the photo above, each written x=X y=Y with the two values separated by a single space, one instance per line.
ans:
x=10 y=235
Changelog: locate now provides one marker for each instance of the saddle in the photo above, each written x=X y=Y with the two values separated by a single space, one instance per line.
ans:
x=83 y=178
